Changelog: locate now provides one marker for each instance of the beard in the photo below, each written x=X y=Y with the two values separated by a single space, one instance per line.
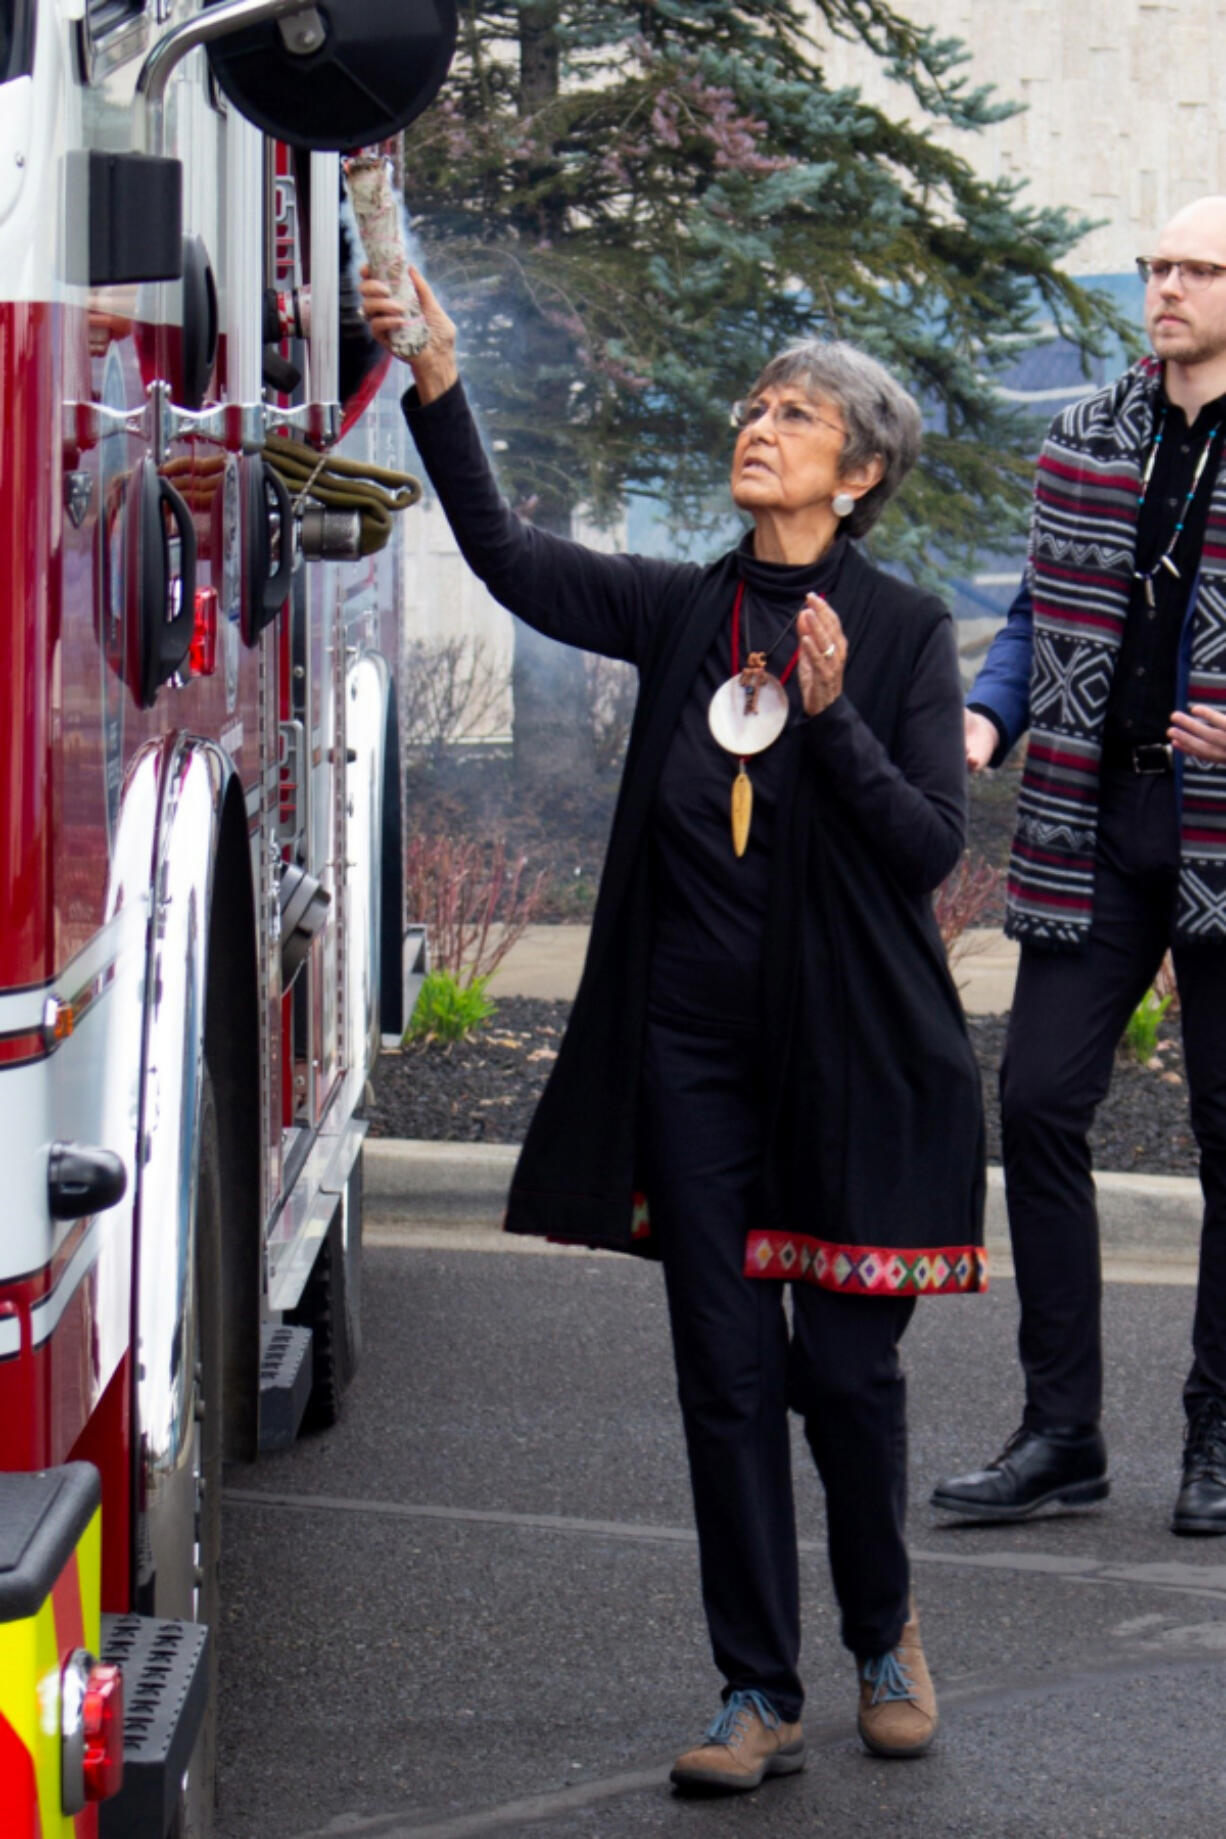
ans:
x=1186 y=345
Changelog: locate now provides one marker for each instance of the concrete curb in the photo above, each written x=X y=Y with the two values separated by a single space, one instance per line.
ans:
x=1146 y=1219
x=437 y=1184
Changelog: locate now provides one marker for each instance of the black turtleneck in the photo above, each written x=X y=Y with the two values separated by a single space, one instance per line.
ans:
x=709 y=905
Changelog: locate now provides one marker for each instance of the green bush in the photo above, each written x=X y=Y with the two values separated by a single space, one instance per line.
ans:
x=448 y=1010
x=1141 y=1034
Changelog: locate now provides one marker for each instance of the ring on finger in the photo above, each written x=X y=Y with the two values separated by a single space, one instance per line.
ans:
x=829 y=651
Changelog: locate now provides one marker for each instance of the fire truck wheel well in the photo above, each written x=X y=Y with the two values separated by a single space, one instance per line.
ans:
x=231 y=1045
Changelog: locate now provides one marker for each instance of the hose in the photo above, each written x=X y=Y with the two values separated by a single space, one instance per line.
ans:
x=376 y=493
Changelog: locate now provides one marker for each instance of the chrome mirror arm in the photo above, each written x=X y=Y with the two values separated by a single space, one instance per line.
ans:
x=213 y=22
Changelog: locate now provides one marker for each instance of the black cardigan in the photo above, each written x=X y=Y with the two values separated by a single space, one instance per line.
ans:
x=874 y=1168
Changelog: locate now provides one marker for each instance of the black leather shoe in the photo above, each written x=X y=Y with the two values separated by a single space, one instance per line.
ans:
x=1035 y=1470
x=1201 y=1504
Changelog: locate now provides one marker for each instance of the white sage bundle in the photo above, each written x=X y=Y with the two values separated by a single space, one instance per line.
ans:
x=378 y=217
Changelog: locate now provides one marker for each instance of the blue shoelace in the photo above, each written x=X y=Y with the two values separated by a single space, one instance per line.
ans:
x=888 y=1677
x=730 y=1723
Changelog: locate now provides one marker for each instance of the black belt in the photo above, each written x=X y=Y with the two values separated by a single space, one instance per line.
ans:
x=1139 y=756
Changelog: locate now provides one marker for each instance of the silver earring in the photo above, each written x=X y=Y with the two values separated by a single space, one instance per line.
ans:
x=842 y=504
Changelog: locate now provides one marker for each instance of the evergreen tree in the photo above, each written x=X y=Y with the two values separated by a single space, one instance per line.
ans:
x=628 y=207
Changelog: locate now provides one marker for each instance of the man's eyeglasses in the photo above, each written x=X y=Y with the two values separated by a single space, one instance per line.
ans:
x=789 y=417
x=1194 y=275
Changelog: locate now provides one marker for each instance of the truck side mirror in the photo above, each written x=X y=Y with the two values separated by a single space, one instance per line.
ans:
x=331 y=77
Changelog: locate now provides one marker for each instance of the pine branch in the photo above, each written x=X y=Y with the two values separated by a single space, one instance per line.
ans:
x=629 y=206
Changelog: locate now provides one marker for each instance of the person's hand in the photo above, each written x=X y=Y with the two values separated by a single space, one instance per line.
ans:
x=434 y=367
x=823 y=655
x=1200 y=732
x=982 y=740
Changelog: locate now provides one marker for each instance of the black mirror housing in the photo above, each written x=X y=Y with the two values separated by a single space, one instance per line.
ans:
x=362 y=71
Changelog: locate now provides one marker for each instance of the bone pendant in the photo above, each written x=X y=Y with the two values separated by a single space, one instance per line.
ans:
x=742 y=811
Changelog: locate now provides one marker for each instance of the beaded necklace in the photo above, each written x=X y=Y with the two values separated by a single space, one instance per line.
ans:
x=1167 y=559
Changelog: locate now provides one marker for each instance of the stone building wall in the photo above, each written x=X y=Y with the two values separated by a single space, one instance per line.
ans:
x=1125 y=107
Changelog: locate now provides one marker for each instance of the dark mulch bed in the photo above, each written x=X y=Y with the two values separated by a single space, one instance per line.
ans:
x=484 y=1090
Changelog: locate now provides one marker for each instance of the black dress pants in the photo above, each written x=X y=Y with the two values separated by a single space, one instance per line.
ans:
x=1069 y=1011
x=738 y=1369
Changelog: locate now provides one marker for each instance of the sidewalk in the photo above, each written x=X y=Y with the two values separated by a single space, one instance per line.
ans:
x=547 y=961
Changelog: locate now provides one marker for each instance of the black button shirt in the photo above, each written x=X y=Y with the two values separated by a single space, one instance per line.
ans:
x=1143 y=687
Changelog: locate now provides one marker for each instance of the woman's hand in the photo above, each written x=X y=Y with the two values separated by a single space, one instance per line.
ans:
x=434 y=368
x=1201 y=732
x=823 y=655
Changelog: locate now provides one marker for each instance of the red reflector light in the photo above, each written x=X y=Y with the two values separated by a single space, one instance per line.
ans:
x=202 y=657
x=102 y=1723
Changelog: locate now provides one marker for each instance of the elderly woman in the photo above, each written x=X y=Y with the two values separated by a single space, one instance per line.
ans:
x=766 y=1080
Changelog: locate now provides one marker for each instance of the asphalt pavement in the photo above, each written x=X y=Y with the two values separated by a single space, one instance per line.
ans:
x=472 y=1607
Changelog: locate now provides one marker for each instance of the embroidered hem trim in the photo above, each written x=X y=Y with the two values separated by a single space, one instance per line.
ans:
x=867 y=1270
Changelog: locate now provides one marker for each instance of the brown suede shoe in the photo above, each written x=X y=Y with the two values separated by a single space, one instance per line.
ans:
x=747 y=1742
x=898 y=1707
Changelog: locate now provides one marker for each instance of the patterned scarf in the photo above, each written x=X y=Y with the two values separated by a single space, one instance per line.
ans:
x=1082 y=549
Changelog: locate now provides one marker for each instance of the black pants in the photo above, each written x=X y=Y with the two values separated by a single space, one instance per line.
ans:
x=1069 y=1012
x=738 y=1370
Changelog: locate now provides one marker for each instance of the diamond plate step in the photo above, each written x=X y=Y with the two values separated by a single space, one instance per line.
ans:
x=285 y=1383
x=165 y=1690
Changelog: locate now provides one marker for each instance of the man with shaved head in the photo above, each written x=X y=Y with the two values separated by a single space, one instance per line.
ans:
x=1114 y=656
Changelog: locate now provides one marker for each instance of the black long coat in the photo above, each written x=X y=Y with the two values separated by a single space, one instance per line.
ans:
x=874 y=1166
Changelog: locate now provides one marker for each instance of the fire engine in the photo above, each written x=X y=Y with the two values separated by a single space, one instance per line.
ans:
x=200 y=865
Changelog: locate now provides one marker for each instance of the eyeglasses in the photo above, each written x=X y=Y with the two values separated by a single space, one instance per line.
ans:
x=788 y=417
x=1194 y=275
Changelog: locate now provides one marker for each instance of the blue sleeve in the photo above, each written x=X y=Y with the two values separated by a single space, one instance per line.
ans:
x=1001 y=691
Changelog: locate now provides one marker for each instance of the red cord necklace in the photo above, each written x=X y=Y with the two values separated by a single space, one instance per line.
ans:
x=748 y=713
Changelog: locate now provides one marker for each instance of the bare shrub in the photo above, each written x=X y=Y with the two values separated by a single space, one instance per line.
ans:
x=449 y=690
x=473 y=899
x=961 y=902
x=612 y=687
x=1165 y=984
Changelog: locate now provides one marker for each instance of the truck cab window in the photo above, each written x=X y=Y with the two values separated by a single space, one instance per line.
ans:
x=16 y=39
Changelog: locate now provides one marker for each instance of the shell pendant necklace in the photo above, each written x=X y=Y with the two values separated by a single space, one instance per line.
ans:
x=748 y=713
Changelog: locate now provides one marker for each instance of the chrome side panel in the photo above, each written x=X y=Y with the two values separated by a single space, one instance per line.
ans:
x=308 y=1207
x=367 y=690
x=62 y=1098
x=293 y=1244
x=193 y=790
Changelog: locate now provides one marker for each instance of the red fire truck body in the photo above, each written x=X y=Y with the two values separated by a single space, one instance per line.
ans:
x=200 y=894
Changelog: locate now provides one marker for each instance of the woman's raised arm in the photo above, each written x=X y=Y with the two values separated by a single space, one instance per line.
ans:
x=603 y=603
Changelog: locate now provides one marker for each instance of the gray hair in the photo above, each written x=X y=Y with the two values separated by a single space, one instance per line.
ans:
x=883 y=421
